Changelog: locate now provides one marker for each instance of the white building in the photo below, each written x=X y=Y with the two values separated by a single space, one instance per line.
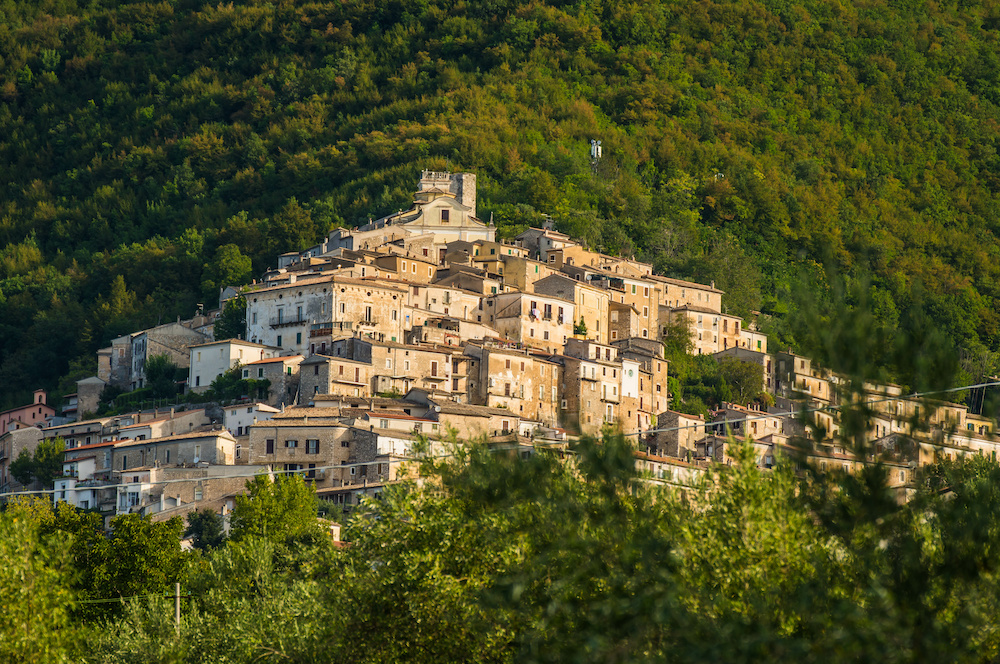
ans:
x=211 y=360
x=238 y=419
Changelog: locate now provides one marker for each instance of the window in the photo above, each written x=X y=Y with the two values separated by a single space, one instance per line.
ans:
x=298 y=338
x=198 y=493
x=260 y=372
x=279 y=341
x=383 y=424
x=445 y=216
x=345 y=443
x=269 y=446
x=312 y=446
x=291 y=444
x=239 y=451
x=315 y=369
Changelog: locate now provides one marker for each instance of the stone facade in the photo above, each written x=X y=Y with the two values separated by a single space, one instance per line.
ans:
x=506 y=376
x=304 y=439
x=592 y=303
x=282 y=372
x=288 y=316
x=213 y=447
x=12 y=443
x=540 y=321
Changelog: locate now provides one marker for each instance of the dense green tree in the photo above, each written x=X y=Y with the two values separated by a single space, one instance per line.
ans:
x=745 y=380
x=231 y=385
x=232 y=321
x=229 y=268
x=35 y=625
x=44 y=464
x=281 y=510
x=205 y=528
x=161 y=376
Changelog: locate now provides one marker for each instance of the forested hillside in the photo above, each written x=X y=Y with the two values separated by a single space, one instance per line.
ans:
x=153 y=151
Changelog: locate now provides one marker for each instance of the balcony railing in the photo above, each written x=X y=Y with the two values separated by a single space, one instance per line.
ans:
x=328 y=328
x=281 y=321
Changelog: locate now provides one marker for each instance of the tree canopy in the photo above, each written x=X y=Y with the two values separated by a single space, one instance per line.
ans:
x=155 y=152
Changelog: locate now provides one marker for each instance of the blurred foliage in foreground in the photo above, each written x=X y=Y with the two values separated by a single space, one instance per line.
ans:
x=503 y=559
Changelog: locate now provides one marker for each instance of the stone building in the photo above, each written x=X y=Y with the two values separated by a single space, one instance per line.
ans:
x=313 y=441
x=591 y=303
x=283 y=374
x=676 y=293
x=12 y=443
x=213 y=447
x=594 y=393
x=540 y=321
x=678 y=434
x=130 y=352
x=639 y=292
x=324 y=374
x=505 y=375
x=399 y=367
x=292 y=316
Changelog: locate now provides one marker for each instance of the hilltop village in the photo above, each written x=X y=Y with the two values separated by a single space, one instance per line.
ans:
x=422 y=325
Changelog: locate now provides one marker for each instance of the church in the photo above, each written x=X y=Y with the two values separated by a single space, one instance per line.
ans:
x=444 y=207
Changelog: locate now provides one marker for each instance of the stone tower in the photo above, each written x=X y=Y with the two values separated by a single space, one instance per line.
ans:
x=460 y=185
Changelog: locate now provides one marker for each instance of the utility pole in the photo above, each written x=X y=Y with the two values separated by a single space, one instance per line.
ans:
x=177 y=609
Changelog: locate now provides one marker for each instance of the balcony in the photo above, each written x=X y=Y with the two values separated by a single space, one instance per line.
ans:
x=281 y=321
x=328 y=328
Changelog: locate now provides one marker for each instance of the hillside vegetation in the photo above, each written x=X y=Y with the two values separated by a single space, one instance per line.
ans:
x=150 y=152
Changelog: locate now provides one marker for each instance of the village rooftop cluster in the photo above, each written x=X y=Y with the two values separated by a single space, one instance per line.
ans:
x=423 y=325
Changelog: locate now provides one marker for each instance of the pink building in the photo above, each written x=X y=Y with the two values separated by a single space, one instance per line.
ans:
x=32 y=415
